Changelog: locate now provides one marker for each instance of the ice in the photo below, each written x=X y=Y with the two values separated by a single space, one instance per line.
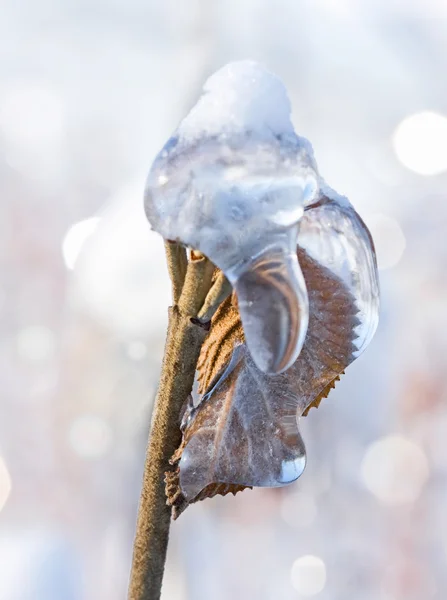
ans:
x=273 y=304
x=237 y=183
x=333 y=233
x=233 y=182
x=245 y=431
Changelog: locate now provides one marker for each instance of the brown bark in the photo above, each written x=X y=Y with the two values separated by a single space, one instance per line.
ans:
x=182 y=349
x=193 y=289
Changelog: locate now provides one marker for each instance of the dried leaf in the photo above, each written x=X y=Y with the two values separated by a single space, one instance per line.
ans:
x=245 y=432
x=324 y=394
x=176 y=499
x=217 y=349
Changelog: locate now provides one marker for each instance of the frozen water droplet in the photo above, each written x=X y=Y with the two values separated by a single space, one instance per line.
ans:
x=274 y=308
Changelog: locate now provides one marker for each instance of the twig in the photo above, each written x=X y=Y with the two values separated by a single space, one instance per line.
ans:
x=182 y=349
x=177 y=264
x=219 y=292
x=197 y=284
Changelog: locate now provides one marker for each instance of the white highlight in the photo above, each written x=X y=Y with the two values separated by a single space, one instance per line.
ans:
x=241 y=96
x=75 y=239
x=394 y=469
x=120 y=277
x=90 y=436
x=308 y=575
x=420 y=143
x=389 y=240
x=5 y=483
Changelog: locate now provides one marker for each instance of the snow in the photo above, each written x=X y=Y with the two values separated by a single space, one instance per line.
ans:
x=241 y=96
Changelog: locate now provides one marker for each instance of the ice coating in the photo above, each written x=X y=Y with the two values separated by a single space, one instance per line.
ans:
x=245 y=430
x=273 y=285
x=256 y=441
x=233 y=182
x=333 y=233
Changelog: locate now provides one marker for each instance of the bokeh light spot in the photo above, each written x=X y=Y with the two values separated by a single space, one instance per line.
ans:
x=121 y=278
x=394 y=469
x=420 y=143
x=75 y=238
x=308 y=575
x=389 y=240
x=90 y=436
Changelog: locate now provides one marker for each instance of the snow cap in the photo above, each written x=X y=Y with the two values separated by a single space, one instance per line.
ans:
x=241 y=96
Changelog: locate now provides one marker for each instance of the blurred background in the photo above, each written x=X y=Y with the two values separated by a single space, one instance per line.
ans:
x=89 y=92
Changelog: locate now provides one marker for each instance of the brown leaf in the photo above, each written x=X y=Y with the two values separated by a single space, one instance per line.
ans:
x=324 y=394
x=217 y=348
x=176 y=499
x=244 y=432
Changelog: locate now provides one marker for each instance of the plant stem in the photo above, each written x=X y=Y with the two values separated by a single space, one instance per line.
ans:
x=194 y=294
x=182 y=349
x=177 y=264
